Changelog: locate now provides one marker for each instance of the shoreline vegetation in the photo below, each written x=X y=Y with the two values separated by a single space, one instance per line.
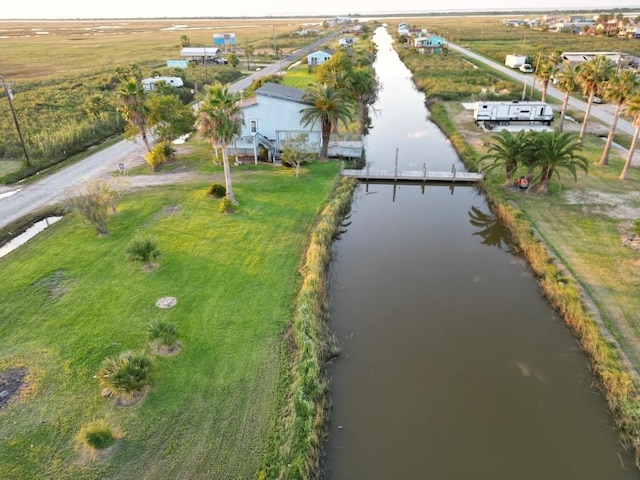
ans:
x=296 y=446
x=616 y=375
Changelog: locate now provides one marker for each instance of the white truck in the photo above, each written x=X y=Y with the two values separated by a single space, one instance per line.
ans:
x=515 y=60
x=490 y=114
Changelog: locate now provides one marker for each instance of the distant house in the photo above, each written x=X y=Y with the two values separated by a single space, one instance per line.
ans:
x=347 y=41
x=150 y=83
x=319 y=57
x=403 y=29
x=630 y=31
x=224 y=40
x=620 y=59
x=429 y=44
x=274 y=115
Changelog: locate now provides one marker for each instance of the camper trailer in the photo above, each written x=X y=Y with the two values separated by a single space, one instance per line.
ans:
x=505 y=113
x=515 y=61
x=149 y=83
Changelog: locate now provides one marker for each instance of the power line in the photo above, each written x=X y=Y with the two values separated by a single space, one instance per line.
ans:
x=7 y=89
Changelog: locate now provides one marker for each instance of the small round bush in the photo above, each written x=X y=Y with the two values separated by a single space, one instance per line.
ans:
x=126 y=374
x=217 y=190
x=143 y=250
x=97 y=435
x=166 y=333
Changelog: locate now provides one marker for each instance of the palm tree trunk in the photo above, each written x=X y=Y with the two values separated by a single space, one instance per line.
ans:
x=545 y=178
x=545 y=86
x=564 y=110
x=627 y=162
x=326 y=136
x=227 y=176
x=604 y=159
x=583 y=129
x=145 y=139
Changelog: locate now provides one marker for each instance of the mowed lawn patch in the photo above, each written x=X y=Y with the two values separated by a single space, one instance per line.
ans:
x=71 y=298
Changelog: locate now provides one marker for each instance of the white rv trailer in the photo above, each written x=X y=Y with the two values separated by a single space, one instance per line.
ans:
x=505 y=113
x=515 y=60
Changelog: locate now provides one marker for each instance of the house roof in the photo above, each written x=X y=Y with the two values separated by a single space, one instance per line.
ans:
x=198 y=51
x=281 y=91
x=326 y=51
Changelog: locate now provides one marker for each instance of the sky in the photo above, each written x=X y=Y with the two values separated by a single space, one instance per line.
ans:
x=90 y=9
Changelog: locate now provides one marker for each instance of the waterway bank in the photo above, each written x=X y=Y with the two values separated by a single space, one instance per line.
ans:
x=295 y=446
x=616 y=374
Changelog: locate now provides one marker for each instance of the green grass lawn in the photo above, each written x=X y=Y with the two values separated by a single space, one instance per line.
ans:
x=71 y=298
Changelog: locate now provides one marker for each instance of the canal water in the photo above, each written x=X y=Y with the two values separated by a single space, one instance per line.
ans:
x=452 y=364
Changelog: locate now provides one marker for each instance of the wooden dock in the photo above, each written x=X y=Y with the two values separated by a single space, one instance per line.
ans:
x=414 y=176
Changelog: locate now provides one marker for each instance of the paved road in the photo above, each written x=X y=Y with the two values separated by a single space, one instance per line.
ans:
x=601 y=112
x=17 y=201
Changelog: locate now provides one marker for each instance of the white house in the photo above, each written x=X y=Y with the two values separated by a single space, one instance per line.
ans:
x=403 y=29
x=319 y=57
x=270 y=117
x=274 y=115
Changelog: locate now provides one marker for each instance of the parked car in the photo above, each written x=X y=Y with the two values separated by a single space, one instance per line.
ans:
x=220 y=61
x=526 y=68
x=595 y=99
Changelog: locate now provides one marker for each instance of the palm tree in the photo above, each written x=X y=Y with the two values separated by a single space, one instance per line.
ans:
x=132 y=105
x=631 y=109
x=544 y=72
x=328 y=105
x=248 y=52
x=220 y=118
x=555 y=151
x=507 y=151
x=591 y=75
x=567 y=83
x=185 y=41
x=616 y=91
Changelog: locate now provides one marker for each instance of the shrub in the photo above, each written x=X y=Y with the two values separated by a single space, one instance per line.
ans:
x=638 y=227
x=227 y=206
x=97 y=435
x=217 y=190
x=125 y=375
x=143 y=250
x=94 y=200
x=166 y=333
x=159 y=155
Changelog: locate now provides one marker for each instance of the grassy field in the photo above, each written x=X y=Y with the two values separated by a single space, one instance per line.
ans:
x=71 y=298
x=50 y=96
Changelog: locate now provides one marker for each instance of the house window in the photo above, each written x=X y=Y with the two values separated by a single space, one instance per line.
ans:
x=253 y=126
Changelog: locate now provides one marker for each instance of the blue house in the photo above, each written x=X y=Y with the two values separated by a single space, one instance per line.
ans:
x=429 y=44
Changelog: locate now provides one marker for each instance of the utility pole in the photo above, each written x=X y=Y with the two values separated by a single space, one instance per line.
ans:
x=7 y=89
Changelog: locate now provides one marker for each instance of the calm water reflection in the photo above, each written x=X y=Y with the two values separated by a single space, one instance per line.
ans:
x=453 y=366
